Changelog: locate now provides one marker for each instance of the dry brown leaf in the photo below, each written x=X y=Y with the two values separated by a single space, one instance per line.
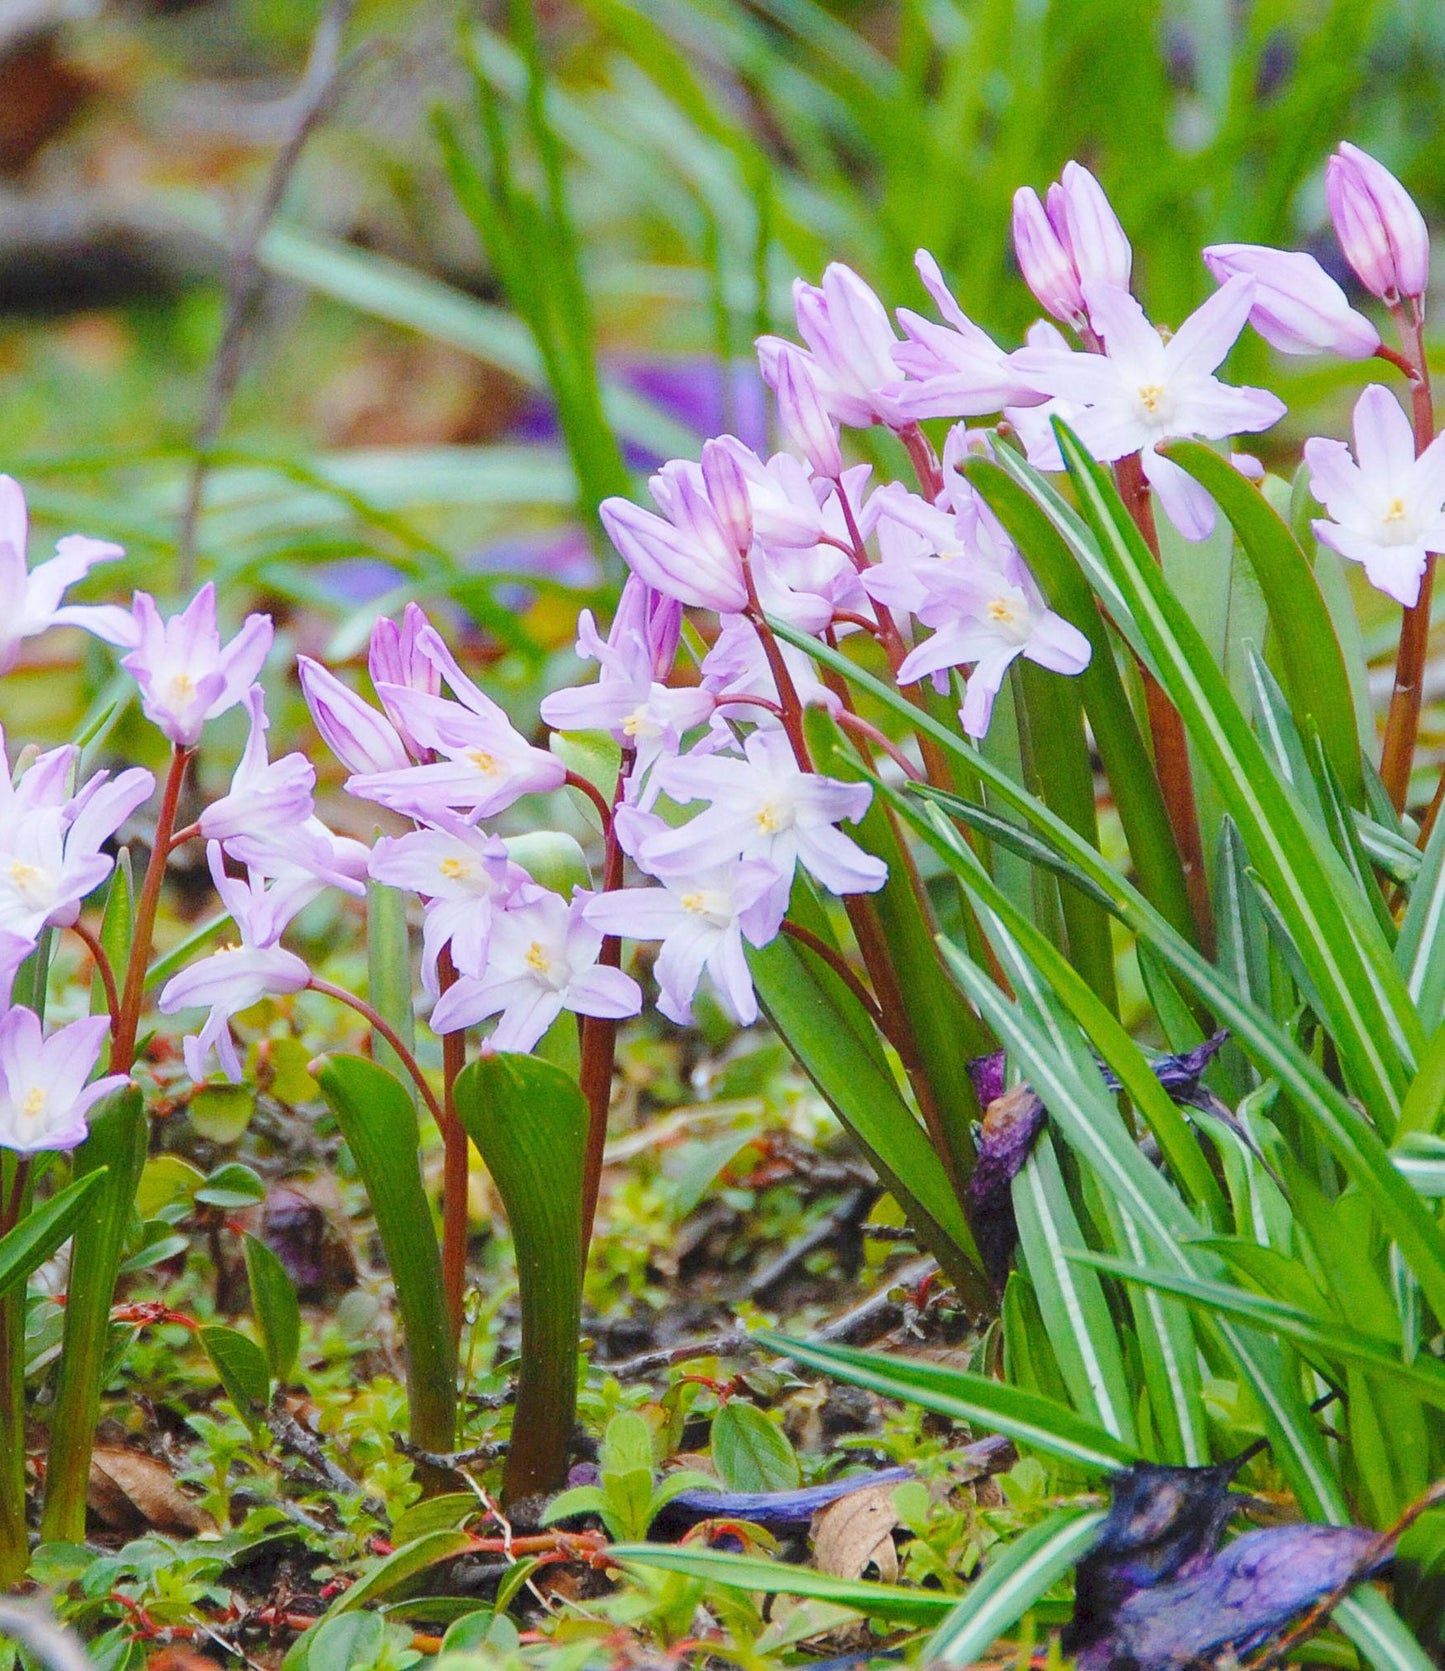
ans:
x=129 y=1491
x=856 y=1531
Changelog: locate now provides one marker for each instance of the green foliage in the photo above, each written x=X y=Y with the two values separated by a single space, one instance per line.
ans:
x=630 y=1497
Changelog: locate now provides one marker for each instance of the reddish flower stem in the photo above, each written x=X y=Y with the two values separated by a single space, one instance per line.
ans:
x=97 y=951
x=455 y=1164
x=122 y=1048
x=838 y=964
x=1171 y=743
x=598 y=1044
x=576 y=781
x=1402 y=723
x=389 y=1033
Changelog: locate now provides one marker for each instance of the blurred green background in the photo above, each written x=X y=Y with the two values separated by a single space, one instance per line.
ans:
x=601 y=198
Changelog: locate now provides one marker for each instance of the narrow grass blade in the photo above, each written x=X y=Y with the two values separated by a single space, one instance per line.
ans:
x=1013 y=1579
x=1029 y=1419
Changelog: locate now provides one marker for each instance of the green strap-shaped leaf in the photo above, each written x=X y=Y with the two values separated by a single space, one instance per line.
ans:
x=388 y=975
x=44 y=1229
x=1076 y=1314
x=529 y=1123
x=1350 y=1137
x=1420 y=949
x=777 y=1578
x=1016 y=1575
x=1313 y=665
x=378 y=1122
x=1028 y=1418
x=1367 y=1007
x=945 y=1030
x=836 y=1044
x=1111 y=719
x=117 y=1144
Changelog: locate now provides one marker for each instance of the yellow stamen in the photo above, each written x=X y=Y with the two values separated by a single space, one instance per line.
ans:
x=1150 y=394
x=483 y=761
x=767 y=819
x=1396 y=512
x=1001 y=610
x=454 y=868
x=537 y=958
x=696 y=903
x=22 y=874
x=34 y=1104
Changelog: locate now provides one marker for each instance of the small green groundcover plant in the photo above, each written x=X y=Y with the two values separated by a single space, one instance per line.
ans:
x=843 y=753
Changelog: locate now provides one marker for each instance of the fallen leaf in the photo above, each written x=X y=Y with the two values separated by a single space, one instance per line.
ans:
x=856 y=1532
x=129 y=1491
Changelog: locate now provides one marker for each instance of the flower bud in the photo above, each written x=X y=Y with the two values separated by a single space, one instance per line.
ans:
x=1298 y=308
x=1087 y=227
x=395 y=658
x=361 y=739
x=805 y=418
x=1381 y=231
x=727 y=492
x=1044 y=262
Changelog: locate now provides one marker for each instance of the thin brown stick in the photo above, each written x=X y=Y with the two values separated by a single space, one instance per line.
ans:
x=315 y=97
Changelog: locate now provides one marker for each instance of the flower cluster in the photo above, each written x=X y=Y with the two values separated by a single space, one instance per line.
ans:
x=717 y=803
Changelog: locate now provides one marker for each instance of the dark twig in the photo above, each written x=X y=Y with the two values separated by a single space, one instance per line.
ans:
x=449 y=1461
x=879 y=1312
x=314 y=99
x=291 y=1436
x=733 y=1345
x=830 y=1226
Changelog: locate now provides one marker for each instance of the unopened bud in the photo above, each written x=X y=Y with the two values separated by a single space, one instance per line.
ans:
x=1298 y=308
x=1381 y=231
x=1044 y=262
x=805 y=418
x=727 y=492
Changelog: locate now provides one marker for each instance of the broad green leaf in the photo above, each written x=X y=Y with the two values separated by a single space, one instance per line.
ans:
x=241 y=1365
x=1313 y=665
x=278 y=1312
x=117 y=1144
x=1366 y=1005
x=1027 y=1418
x=751 y=1453
x=778 y=1578
x=1015 y=1575
x=378 y=1122
x=44 y=1229
x=529 y=1123
x=552 y=859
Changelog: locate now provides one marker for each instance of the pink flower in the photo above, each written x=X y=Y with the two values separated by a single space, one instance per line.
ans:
x=1088 y=229
x=268 y=800
x=186 y=676
x=1386 y=507
x=51 y=854
x=1298 y=308
x=850 y=348
x=702 y=921
x=398 y=661
x=1381 y=231
x=44 y=1098
x=804 y=414
x=236 y=977
x=1142 y=390
x=30 y=598
x=989 y=618
x=955 y=370
x=463 y=875
x=362 y=739
x=484 y=763
x=542 y=959
x=763 y=807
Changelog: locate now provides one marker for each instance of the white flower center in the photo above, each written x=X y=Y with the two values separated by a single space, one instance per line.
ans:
x=33 y=883
x=455 y=870
x=1397 y=526
x=711 y=903
x=34 y=1105
x=487 y=764
x=546 y=965
x=775 y=815
x=640 y=723
x=1156 y=405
